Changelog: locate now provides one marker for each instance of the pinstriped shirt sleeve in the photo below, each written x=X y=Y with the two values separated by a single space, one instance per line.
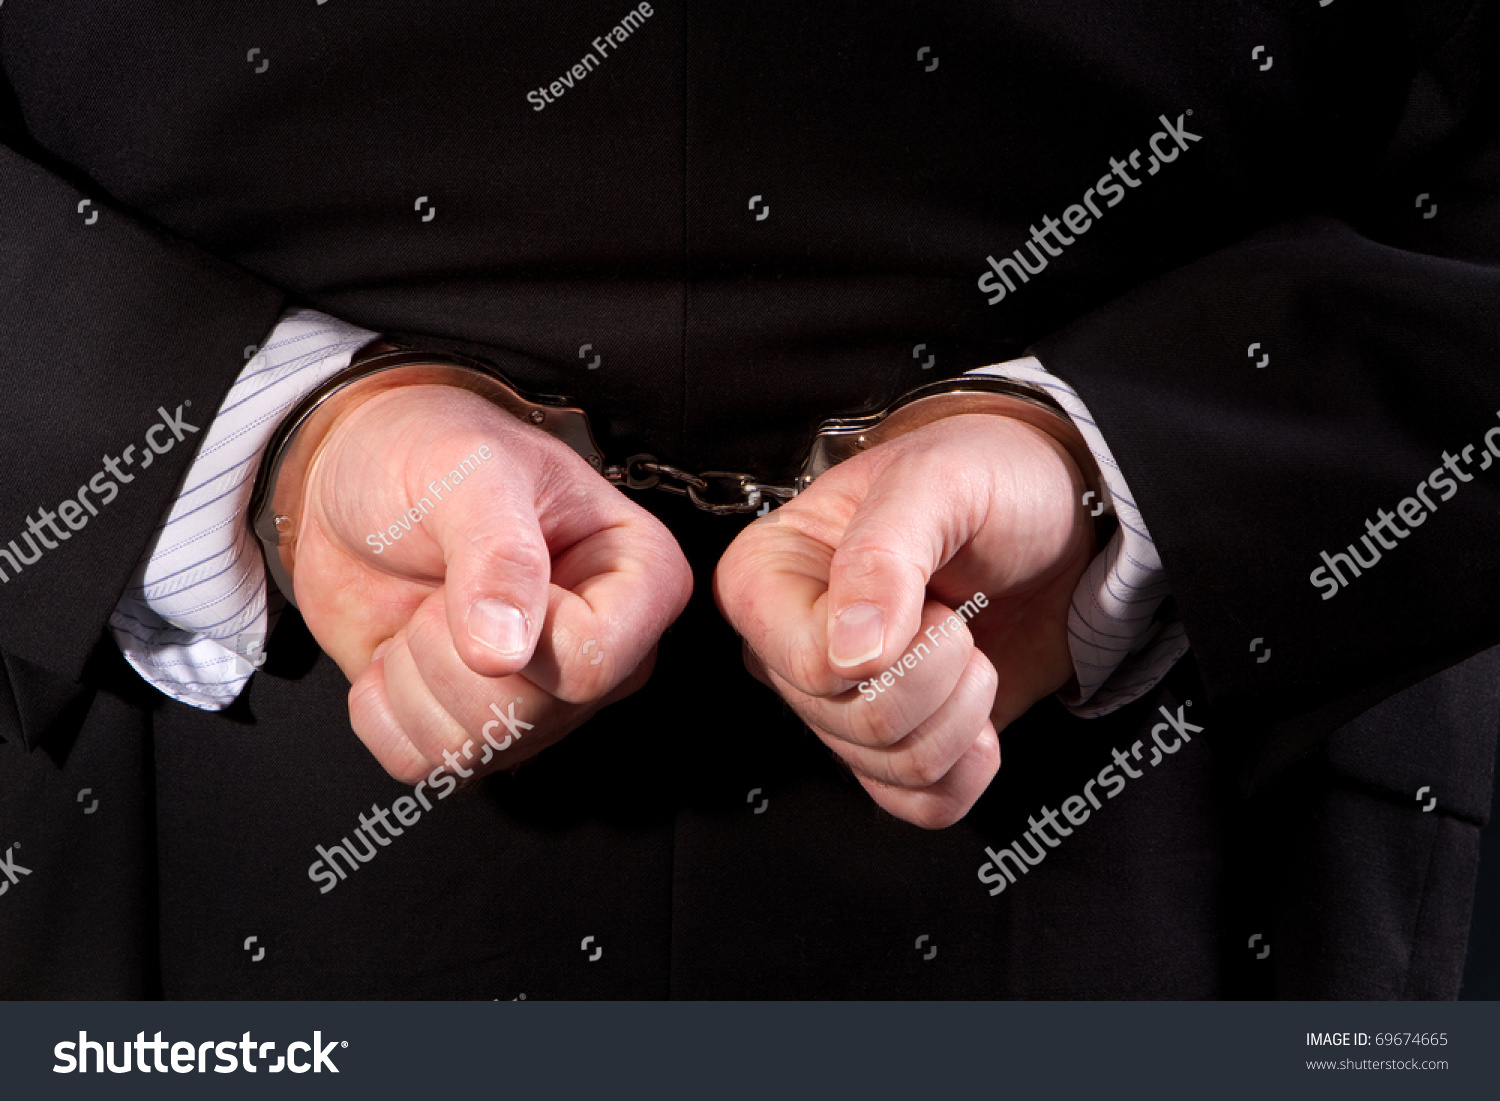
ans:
x=1122 y=644
x=194 y=619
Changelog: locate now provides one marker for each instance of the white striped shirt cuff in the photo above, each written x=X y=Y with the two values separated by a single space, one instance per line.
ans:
x=195 y=617
x=1121 y=648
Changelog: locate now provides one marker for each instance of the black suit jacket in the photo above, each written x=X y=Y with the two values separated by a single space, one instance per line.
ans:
x=1339 y=210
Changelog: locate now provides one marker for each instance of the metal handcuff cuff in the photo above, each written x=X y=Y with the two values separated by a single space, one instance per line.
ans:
x=383 y=365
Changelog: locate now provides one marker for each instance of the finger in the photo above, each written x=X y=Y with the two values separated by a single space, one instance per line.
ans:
x=947 y=801
x=633 y=683
x=496 y=559
x=613 y=595
x=930 y=752
x=883 y=710
x=456 y=717
x=771 y=585
x=453 y=714
x=442 y=704
x=376 y=724
x=424 y=721
x=914 y=517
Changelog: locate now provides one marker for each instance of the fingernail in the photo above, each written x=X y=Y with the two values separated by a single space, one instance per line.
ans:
x=382 y=648
x=499 y=625
x=858 y=635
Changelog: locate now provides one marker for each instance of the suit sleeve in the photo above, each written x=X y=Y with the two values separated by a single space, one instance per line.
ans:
x=112 y=332
x=1310 y=419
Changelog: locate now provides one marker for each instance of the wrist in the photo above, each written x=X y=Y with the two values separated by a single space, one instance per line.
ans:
x=1067 y=483
x=843 y=438
x=279 y=507
x=282 y=487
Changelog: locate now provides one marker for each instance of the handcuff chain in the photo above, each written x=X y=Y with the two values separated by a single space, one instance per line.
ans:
x=644 y=472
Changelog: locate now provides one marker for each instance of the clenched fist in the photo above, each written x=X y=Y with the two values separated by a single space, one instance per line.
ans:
x=481 y=586
x=846 y=600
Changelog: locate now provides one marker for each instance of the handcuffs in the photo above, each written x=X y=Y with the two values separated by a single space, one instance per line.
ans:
x=382 y=365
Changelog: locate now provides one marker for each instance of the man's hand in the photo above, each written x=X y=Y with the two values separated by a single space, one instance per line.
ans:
x=867 y=566
x=481 y=586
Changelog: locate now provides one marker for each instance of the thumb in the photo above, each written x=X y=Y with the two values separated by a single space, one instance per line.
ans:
x=901 y=534
x=497 y=567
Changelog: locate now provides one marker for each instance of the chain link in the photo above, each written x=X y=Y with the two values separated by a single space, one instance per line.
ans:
x=705 y=490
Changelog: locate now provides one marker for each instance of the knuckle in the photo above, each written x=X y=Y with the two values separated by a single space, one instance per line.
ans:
x=431 y=730
x=515 y=556
x=561 y=475
x=987 y=749
x=408 y=769
x=434 y=737
x=580 y=682
x=665 y=568
x=872 y=560
x=590 y=665
x=807 y=670
x=986 y=679
x=362 y=702
x=875 y=725
x=936 y=814
x=924 y=764
x=681 y=575
x=398 y=756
